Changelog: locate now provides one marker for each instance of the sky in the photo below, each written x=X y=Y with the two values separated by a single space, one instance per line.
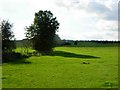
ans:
x=79 y=19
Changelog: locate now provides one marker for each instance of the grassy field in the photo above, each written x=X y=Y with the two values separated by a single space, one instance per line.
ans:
x=0 y=76
x=67 y=67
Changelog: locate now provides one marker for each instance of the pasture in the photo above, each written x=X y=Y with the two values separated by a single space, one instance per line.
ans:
x=67 y=67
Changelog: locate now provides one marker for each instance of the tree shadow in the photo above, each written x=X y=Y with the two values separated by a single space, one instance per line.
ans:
x=19 y=61
x=71 y=55
x=14 y=58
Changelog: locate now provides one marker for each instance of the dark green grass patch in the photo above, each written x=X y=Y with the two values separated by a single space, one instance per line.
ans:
x=71 y=55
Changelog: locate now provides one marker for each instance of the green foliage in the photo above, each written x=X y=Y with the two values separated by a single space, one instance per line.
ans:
x=7 y=35
x=91 y=44
x=42 y=32
x=12 y=57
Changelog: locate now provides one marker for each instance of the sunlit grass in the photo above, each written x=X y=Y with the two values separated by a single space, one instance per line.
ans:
x=66 y=69
x=0 y=76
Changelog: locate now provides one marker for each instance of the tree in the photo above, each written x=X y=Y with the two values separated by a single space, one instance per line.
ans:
x=42 y=31
x=7 y=35
x=75 y=42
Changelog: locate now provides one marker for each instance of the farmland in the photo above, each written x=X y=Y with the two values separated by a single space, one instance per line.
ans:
x=66 y=67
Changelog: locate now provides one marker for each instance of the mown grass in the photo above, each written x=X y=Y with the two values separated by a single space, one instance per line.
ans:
x=67 y=67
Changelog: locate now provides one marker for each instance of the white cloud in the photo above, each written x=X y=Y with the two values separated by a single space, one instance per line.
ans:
x=79 y=19
x=93 y=16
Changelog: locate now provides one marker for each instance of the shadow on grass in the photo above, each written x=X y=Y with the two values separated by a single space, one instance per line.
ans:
x=14 y=58
x=71 y=55
x=20 y=61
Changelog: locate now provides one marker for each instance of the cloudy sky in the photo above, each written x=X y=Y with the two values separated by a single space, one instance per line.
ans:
x=79 y=19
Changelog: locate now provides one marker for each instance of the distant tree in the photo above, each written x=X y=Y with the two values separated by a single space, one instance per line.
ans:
x=75 y=43
x=57 y=40
x=42 y=31
x=7 y=35
x=26 y=46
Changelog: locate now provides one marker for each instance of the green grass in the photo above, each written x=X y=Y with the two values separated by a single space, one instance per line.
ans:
x=67 y=67
x=0 y=76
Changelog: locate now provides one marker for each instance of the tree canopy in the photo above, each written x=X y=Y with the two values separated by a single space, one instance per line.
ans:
x=7 y=35
x=42 y=31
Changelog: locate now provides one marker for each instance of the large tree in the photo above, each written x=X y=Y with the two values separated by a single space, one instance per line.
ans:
x=42 y=31
x=7 y=36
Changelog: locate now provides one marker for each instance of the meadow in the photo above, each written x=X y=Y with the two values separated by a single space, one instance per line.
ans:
x=66 y=67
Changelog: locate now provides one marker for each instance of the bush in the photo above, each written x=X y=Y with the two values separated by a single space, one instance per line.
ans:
x=67 y=43
x=12 y=56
